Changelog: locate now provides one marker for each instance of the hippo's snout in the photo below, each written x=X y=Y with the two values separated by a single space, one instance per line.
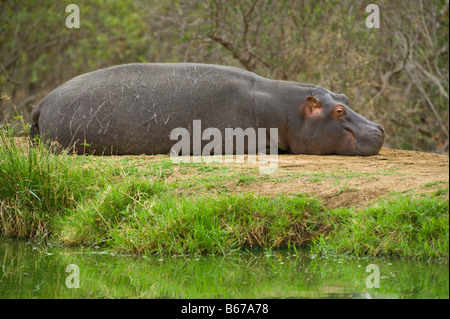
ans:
x=370 y=143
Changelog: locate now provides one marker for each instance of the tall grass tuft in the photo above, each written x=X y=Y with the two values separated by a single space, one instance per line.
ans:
x=35 y=185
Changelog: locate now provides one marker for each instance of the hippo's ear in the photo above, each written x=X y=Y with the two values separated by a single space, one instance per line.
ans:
x=312 y=101
x=312 y=106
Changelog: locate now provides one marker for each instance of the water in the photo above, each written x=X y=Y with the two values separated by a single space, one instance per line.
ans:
x=28 y=270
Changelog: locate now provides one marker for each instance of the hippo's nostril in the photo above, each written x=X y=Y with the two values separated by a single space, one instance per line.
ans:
x=380 y=128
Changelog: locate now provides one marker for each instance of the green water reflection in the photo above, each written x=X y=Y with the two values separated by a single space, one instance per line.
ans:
x=31 y=271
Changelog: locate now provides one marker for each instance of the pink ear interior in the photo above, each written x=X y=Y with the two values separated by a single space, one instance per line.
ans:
x=312 y=107
x=315 y=111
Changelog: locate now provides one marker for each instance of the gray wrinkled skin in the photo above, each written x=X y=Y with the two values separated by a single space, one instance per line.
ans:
x=132 y=109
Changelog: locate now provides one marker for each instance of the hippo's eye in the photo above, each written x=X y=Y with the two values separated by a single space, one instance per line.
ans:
x=339 y=111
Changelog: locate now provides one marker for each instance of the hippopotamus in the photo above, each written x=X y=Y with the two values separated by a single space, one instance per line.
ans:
x=133 y=109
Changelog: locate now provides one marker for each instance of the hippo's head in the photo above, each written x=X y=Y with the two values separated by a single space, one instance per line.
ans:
x=331 y=127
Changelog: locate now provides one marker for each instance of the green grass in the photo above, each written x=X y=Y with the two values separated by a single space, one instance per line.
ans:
x=144 y=221
x=405 y=226
x=129 y=205
x=35 y=186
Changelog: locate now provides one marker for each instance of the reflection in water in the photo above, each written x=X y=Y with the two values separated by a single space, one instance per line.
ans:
x=31 y=271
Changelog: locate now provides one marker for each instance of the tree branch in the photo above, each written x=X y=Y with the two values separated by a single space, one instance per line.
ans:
x=421 y=89
x=8 y=78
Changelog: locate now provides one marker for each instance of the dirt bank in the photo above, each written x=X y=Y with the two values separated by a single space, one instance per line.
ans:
x=342 y=181
x=353 y=180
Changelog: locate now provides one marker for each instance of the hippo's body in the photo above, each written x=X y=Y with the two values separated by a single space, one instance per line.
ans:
x=133 y=108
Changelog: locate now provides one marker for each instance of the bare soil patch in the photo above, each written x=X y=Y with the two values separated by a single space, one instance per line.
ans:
x=355 y=180
x=340 y=181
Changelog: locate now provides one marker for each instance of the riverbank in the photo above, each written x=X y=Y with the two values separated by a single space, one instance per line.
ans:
x=150 y=205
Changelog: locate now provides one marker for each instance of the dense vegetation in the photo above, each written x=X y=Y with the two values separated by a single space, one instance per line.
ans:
x=397 y=75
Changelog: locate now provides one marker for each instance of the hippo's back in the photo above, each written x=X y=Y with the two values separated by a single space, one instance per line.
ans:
x=132 y=108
